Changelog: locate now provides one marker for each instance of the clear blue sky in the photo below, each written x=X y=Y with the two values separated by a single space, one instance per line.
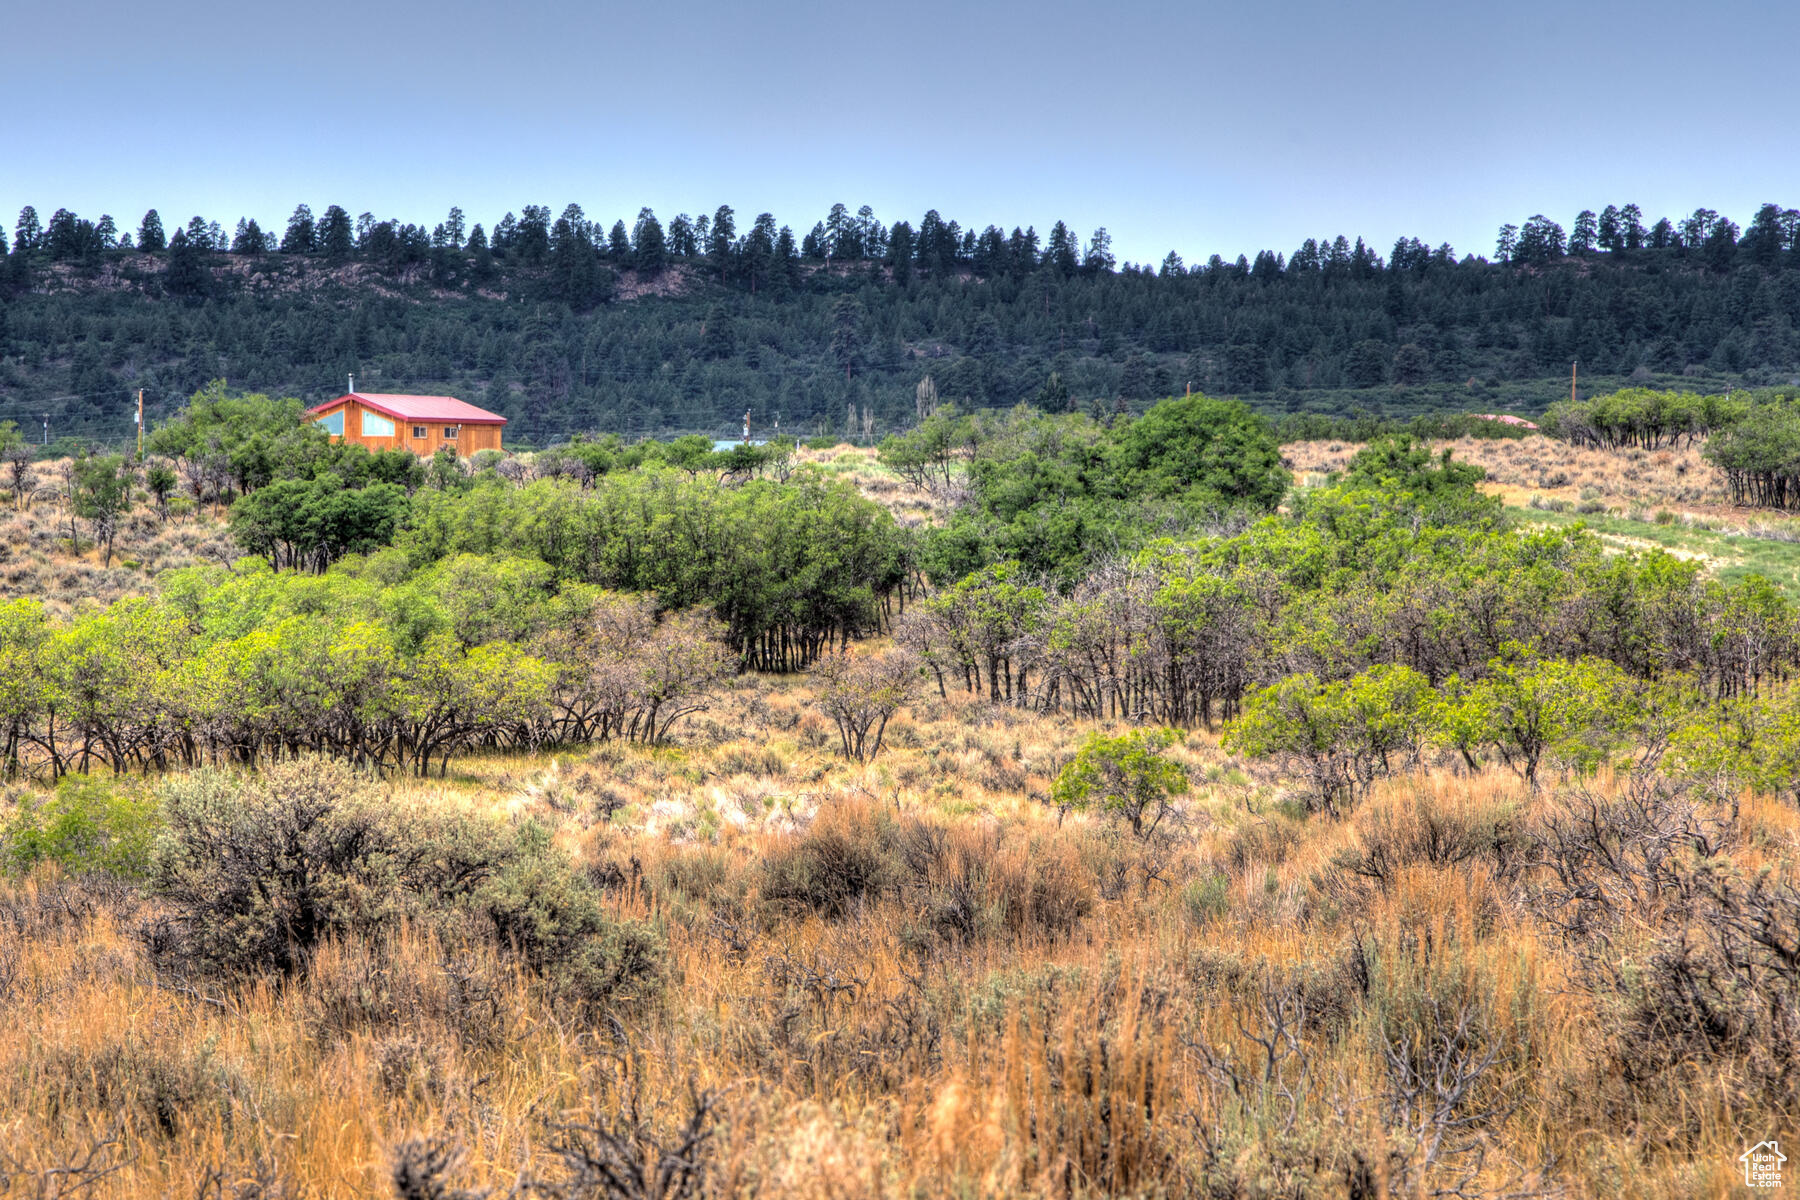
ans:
x=1204 y=127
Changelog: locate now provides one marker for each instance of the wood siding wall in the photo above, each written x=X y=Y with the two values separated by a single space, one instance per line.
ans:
x=469 y=438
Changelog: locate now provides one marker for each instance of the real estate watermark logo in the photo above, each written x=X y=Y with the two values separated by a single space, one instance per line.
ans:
x=1762 y=1164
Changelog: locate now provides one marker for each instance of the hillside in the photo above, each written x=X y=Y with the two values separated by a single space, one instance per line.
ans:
x=570 y=330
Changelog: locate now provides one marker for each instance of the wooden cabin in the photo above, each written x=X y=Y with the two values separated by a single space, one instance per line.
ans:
x=422 y=424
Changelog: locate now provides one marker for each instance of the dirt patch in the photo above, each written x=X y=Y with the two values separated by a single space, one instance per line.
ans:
x=1550 y=472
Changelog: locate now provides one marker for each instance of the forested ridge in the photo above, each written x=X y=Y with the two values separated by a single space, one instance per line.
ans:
x=565 y=325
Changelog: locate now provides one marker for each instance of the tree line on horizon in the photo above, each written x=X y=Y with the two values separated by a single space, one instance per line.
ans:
x=936 y=244
x=831 y=331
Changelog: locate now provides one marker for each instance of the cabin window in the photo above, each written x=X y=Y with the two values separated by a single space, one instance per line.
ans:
x=449 y=433
x=374 y=426
x=420 y=433
x=333 y=423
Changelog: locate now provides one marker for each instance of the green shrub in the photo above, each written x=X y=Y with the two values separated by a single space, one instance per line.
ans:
x=1126 y=777
x=552 y=918
x=87 y=824
x=1207 y=899
x=260 y=871
x=1343 y=734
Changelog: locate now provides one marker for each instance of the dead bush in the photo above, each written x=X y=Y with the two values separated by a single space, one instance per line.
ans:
x=974 y=880
x=620 y=1152
x=162 y=1089
x=763 y=762
x=861 y=692
x=844 y=857
x=404 y=984
x=1261 y=841
x=1719 y=991
x=423 y=1167
x=1041 y=886
x=1422 y=824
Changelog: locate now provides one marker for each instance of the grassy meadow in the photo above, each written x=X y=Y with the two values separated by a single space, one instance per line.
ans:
x=917 y=976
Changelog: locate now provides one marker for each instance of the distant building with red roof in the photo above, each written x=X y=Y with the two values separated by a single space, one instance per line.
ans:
x=422 y=424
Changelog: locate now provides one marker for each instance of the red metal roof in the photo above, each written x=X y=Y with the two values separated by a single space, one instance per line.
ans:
x=417 y=408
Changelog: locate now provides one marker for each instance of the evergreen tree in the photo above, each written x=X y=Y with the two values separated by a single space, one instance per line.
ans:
x=505 y=234
x=576 y=277
x=1099 y=258
x=847 y=314
x=299 y=237
x=719 y=240
x=1763 y=241
x=1412 y=364
x=648 y=250
x=787 y=258
x=1608 y=234
x=27 y=232
x=838 y=240
x=1720 y=247
x=1540 y=240
x=1022 y=249
x=531 y=240
x=1631 y=227
x=901 y=247
x=187 y=275
x=151 y=239
x=335 y=235
x=1059 y=251
x=871 y=237
x=618 y=243
x=1586 y=233
x=1505 y=244
x=681 y=237
x=1367 y=364
x=1134 y=379
x=63 y=237
x=759 y=249
x=1698 y=227
x=717 y=338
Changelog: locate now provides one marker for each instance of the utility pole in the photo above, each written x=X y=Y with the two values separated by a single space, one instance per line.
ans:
x=140 y=424
x=1572 y=367
x=46 y=429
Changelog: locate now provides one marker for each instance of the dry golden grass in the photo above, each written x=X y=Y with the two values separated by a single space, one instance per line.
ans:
x=1677 y=478
x=1047 y=1008
x=861 y=465
x=37 y=559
